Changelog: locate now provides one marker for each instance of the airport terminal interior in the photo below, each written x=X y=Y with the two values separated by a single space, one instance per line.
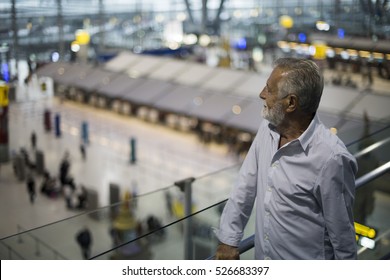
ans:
x=132 y=118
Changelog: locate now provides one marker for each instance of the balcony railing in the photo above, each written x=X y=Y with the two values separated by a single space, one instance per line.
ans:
x=160 y=225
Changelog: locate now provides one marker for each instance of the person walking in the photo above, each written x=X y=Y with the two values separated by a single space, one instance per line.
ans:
x=64 y=169
x=82 y=197
x=33 y=140
x=84 y=239
x=83 y=151
x=301 y=176
x=31 y=188
x=68 y=193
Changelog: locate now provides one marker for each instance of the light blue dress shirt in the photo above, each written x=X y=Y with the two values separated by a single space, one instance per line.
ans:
x=304 y=195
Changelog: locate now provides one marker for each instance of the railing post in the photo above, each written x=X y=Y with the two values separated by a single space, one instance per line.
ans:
x=20 y=240
x=38 y=243
x=186 y=187
x=37 y=251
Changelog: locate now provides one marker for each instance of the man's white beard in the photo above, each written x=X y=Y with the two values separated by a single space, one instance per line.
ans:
x=275 y=115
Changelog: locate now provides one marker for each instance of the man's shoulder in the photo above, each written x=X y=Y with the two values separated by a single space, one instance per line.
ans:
x=328 y=142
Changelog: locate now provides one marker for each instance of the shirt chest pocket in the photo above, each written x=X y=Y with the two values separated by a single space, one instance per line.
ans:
x=291 y=185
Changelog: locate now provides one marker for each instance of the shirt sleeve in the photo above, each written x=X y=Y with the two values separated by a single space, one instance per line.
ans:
x=337 y=189
x=240 y=204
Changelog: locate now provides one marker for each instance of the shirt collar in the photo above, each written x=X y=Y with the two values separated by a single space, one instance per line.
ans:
x=305 y=137
x=274 y=134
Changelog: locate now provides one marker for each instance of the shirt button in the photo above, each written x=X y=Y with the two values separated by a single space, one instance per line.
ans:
x=267 y=258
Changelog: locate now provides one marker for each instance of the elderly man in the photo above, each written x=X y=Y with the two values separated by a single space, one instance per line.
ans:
x=300 y=174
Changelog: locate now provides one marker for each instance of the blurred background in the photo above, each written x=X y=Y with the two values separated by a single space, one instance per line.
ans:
x=127 y=121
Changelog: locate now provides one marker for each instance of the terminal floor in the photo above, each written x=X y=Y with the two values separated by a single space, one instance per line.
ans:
x=163 y=157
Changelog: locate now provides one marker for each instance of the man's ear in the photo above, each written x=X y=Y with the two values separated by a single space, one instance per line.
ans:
x=292 y=103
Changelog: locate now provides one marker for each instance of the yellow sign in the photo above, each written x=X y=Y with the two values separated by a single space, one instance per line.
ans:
x=4 y=95
x=178 y=209
x=320 y=50
x=286 y=21
x=82 y=37
x=365 y=230
x=43 y=87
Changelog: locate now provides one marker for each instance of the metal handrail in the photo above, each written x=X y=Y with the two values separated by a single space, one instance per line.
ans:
x=368 y=136
x=11 y=251
x=372 y=147
x=372 y=175
x=249 y=243
x=38 y=241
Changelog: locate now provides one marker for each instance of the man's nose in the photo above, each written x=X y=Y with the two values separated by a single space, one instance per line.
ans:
x=262 y=93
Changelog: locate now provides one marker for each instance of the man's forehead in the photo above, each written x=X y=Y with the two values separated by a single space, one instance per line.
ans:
x=275 y=76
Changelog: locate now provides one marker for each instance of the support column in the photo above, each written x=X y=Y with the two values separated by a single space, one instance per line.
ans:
x=101 y=26
x=189 y=12
x=57 y=122
x=204 y=16
x=186 y=187
x=84 y=132
x=133 y=157
x=4 y=149
x=60 y=23
x=15 y=38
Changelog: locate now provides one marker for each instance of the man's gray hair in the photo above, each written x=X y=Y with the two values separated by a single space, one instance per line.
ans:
x=303 y=78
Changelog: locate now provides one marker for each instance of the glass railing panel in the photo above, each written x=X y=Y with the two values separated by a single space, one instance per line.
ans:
x=362 y=142
x=356 y=129
x=206 y=191
x=248 y=255
x=213 y=188
x=60 y=238
x=380 y=251
x=371 y=198
x=372 y=209
x=148 y=212
x=169 y=243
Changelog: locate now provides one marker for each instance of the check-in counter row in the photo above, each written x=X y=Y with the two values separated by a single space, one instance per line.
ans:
x=194 y=97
